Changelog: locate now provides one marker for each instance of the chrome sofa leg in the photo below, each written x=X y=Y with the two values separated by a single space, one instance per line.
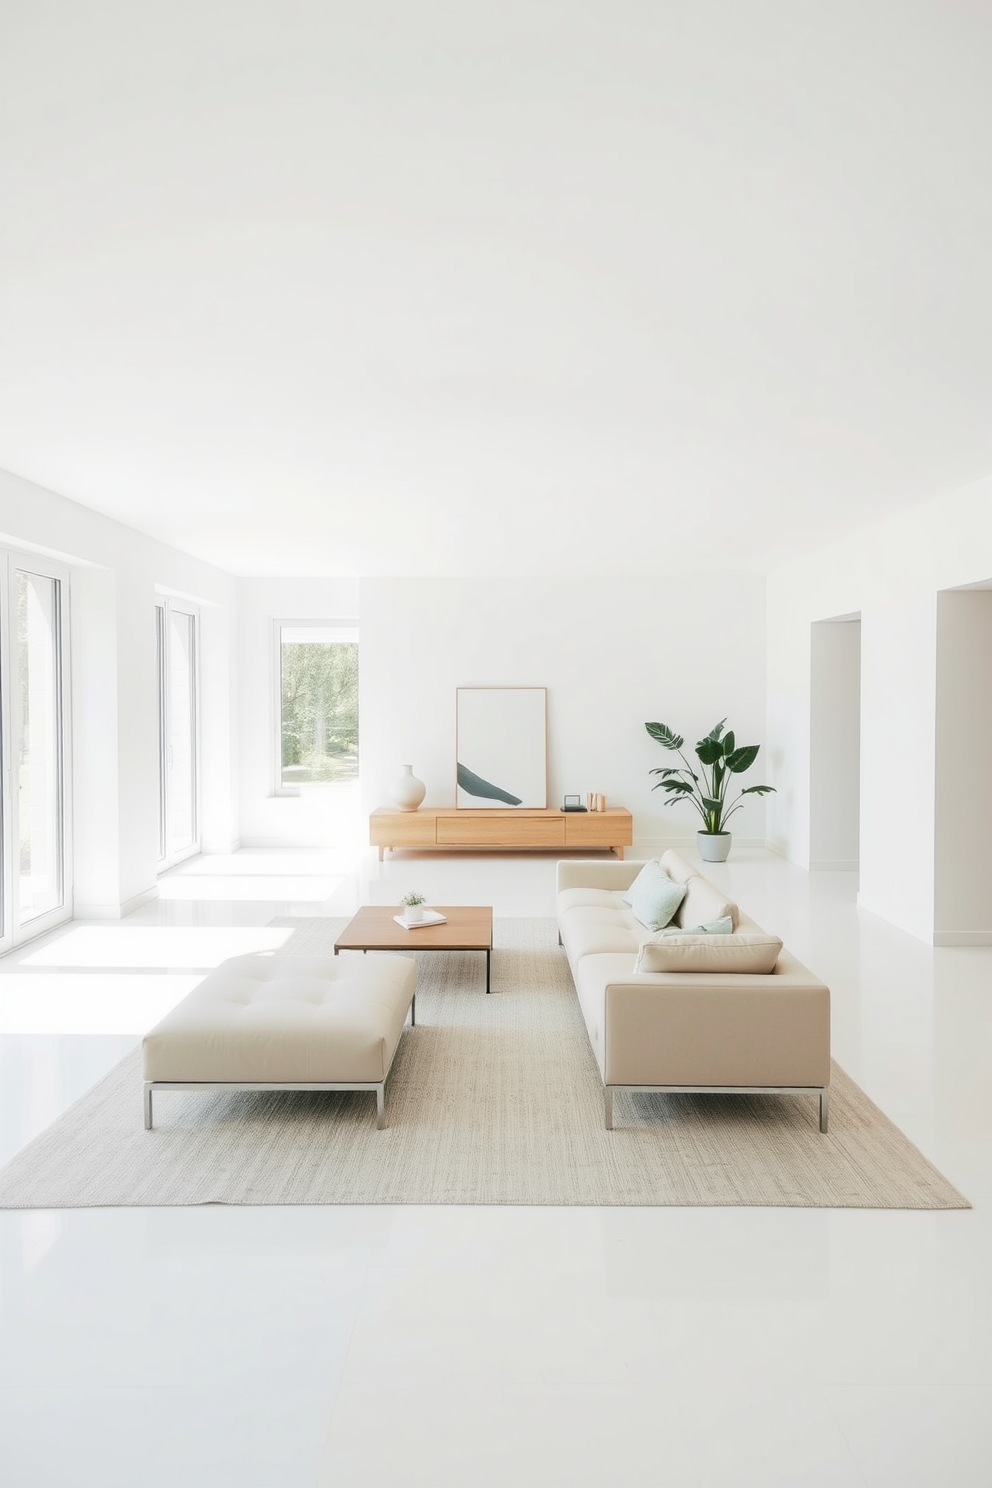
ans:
x=608 y=1095
x=824 y=1108
x=148 y=1105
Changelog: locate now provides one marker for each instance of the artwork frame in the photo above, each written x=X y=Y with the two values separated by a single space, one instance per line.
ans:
x=501 y=748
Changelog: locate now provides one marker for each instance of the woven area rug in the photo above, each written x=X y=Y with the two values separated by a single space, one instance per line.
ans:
x=492 y=1100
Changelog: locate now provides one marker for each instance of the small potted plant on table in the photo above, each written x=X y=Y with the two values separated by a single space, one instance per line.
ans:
x=413 y=907
x=720 y=757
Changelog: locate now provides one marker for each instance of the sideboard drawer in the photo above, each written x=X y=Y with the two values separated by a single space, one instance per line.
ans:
x=521 y=831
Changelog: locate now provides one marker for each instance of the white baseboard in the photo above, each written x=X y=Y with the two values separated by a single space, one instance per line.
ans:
x=962 y=938
x=835 y=865
x=113 y=911
x=652 y=846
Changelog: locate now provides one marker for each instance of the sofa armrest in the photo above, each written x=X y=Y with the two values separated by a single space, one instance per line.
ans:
x=596 y=873
x=664 y=1028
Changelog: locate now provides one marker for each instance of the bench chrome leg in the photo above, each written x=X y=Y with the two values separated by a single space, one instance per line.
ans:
x=148 y=1105
x=608 y=1095
x=824 y=1109
x=380 y=1106
x=413 y=1011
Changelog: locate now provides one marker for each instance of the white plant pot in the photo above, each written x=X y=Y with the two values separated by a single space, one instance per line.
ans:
x=413 y=914
x=406 y=790
x=714 y=847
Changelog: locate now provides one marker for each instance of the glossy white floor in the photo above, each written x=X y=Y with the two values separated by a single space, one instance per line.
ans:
x=506 y=1347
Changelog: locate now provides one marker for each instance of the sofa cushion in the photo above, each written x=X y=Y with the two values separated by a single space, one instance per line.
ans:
x=583 y=898
x=653 y=896
x=744 y=952
x=676 y=866
x=592 y=932
x=704 y=902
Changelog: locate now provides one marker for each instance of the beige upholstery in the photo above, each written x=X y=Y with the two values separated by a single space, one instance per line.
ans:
x=745 y=951
x=703 y=903
x=285 y=1021
x=686 y=1030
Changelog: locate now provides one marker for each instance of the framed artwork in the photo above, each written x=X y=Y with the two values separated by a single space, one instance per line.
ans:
x=501 y=746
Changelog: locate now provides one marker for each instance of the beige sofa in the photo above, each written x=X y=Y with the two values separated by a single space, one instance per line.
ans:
x=683 y=1030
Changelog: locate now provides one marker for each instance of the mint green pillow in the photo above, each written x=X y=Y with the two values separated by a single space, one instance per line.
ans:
x=724 y=926
x=653 y=896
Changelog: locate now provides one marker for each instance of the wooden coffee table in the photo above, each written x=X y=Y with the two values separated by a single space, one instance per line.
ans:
x=466 y=928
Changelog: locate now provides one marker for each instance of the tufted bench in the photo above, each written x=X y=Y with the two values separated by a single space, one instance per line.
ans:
x=273 y=1022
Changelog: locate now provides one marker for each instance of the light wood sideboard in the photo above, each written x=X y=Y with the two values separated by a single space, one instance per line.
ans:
x=515 y=827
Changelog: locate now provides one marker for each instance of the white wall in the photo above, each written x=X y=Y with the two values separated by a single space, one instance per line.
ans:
x=891 y=574
x=612 y=653
x=835 y=743
x=115 y=572
x=963 y=845
x=324 y=815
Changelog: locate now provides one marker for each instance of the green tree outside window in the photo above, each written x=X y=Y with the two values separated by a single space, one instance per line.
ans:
x=319 y=711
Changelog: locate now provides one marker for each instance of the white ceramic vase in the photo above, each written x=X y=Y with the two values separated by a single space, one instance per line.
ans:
x=714 y=847
x=413 y=914
x=406 y=790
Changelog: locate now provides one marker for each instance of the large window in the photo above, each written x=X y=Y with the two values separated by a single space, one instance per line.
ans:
x=318 y=703
x=178 y=724
x=35 y=858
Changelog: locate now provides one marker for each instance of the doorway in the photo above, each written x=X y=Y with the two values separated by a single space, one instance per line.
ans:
x=835 y=743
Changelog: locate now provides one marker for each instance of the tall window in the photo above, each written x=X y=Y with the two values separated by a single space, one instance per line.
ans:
x=178 y=726
x=35 y=856
x=318 y=703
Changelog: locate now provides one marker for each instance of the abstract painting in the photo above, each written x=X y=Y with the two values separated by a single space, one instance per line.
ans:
x=501 y=746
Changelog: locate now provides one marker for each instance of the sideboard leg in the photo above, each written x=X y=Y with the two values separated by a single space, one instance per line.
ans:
x=608 y=1093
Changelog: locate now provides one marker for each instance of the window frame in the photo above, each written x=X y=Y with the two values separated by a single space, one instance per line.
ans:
x=14 y=931
x=280 y=624
x=165 y=603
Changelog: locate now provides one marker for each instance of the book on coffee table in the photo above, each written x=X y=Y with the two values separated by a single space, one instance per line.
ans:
x=431 y=917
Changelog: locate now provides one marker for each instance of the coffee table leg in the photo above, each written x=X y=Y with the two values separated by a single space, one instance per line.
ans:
x=489 y=954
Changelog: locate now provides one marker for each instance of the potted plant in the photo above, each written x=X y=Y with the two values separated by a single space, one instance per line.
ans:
x=413 y=907
x=720 y=757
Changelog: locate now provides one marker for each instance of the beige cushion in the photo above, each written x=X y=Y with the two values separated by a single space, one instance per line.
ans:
x=293 y=1019
x=742 y=952
x=704 y=902
x=585 y=898
x=598 y=930
x=676 y=866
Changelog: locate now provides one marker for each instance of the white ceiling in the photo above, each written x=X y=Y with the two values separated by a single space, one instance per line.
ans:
x=521 y=287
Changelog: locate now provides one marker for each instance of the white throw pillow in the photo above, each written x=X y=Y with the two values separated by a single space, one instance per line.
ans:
x=741 y=952
x=653 y=896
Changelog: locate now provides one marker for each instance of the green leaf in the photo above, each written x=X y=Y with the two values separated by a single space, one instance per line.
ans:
x=680 y=787
x=729 y=742
x=664 y=736
x=711 y=804
x=666 y=770
x=709 y=750
x=742 y=759
x=758 y=790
